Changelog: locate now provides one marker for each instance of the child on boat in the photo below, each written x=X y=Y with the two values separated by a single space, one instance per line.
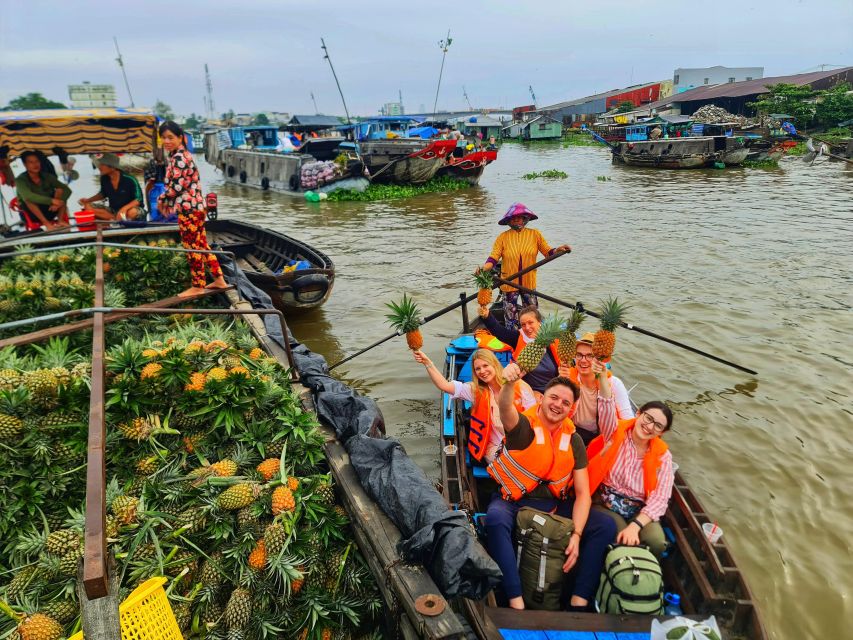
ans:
x=487 y=432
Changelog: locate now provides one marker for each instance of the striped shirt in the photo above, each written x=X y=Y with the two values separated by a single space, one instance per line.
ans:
x=626 y=476
x=517 y=250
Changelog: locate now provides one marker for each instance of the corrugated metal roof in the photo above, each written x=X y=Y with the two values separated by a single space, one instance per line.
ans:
x=745 y=87
x=597 y=96
x=314 y=121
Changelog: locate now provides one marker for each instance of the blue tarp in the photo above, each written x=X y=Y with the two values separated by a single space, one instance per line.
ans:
x=423 y=132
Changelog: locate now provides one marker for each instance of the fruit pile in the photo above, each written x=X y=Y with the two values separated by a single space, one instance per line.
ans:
x=216 y=479
x=33 y=285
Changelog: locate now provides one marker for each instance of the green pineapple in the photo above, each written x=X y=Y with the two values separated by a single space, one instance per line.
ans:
x=81 y=371
x=19 y=584
x=124 y=508
x=43 y=386
x=212 y=615
x=148 y=465
x=193 y=518
x=65 y=454
x=59 y=420
x=63 y=611
x=8 y=306
x=183 y=615
x=230 y=361
x=12 y=406
x=238 y=496
x=209 y=576
x=568 y=338
x=62 y=542
x=69 y=562
x=179 y=561
x=275 y=536
x=326 y=493
x=10 y=379
x=238 y=611
x=184 y=422
x=247 y=521
x=531 y=355
x=63 y=375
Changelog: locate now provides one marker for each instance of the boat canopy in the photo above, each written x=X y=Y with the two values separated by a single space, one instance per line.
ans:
x=78 y=131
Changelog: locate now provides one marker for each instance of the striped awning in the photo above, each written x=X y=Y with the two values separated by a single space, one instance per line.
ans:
x=82 y=131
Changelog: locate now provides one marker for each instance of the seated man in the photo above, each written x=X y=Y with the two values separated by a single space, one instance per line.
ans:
x=540 y=463
x=41 y=193
x=121 y=191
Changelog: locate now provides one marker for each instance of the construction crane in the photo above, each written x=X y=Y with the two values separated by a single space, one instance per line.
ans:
x=465 y=93
x=121 y=66
x=400 y=94
x=532 y=95
x=211 y=108
x=316 y=110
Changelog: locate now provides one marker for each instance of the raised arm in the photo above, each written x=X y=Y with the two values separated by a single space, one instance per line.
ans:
x=442 y=383
x=606 y=406
x=506 y=398
x=507 y=336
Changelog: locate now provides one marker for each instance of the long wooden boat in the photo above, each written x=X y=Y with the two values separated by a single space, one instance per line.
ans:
x=468 y=167
x=704 y=574
x=404 y=160
x=680 y=153
x=263 y=254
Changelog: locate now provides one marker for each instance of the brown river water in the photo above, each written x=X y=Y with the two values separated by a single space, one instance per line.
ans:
x=755 y=266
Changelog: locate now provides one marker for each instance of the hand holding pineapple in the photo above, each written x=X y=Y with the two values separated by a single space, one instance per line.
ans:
x=532 y=354
x=512 y=373
x=422 y=358
x=483 y=311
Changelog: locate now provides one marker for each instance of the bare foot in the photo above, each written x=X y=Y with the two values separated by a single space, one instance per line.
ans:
x=219 y=283
x=192 y=291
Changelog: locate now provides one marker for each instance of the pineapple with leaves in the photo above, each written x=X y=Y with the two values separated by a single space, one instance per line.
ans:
x=604 y=341
x=12 y=407
x=484 y=282
x=405 y=317
x=531 y=355
x=568 y=338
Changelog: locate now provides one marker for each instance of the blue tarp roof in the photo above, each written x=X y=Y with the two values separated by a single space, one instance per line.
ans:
x=423 y=132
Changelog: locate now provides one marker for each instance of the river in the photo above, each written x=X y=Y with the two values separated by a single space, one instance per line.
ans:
x=753 y=265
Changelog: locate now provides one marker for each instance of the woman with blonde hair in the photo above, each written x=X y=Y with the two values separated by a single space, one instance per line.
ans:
x=487 y=432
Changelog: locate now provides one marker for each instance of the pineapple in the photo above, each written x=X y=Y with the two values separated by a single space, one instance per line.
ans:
x=183 y=422
x=268 y=468
x=209 y=575
x=484 y=282
x=21 y=581
x=147 y=466
x=179 y=561
x=274 y=449
x=224 y=468
x=275 y=537
x=238 y=496
x=230 y=361
x=296 y=584
x=405 y=318
x=258 y=556
x=81 y=370
x=9 y=379
x=247 y=521
x=326 y=493
x=40 y=627
x=43 y=386
x=10 y=426
x=532 y=354
x=12 y=403
x=282 y=500
x=292 y=483
x=69 y=562
x=605 y=339
x=62 y=542
x=238 y=610
x=60 y=419
x=124 y=509
x=183 y=615
x=63 y=611
x=138 y=429
x=193 y=518
x=568 y=339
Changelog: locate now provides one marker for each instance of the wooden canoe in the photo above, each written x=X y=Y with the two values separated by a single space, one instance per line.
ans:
x=705 y=575
x=261 y=253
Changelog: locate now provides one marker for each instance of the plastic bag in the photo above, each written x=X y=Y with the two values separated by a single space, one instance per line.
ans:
x=679 y=628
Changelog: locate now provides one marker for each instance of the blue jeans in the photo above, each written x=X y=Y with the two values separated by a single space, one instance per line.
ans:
x=600 y=531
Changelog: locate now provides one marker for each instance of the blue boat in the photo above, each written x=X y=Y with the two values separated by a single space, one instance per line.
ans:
x=704 y=574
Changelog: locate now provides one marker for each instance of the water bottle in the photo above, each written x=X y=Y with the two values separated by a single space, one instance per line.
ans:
x=672 y=604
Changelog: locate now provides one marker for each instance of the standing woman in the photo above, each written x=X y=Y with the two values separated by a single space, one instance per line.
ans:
x=183 y=198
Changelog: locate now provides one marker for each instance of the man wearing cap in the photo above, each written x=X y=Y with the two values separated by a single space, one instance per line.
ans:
x=516 y=249
x=121 y=191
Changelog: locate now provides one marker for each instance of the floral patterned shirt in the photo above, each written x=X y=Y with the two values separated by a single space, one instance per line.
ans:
x=183 y=187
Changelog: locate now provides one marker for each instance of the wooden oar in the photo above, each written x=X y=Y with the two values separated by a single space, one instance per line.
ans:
x=579 y=306
x=453 y=306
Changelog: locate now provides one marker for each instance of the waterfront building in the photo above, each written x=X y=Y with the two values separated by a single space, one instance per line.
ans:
x=88 y=95
x=480 y=124
x=392 y=109
x=316 y=123
x=685 y=79
x=587 y=109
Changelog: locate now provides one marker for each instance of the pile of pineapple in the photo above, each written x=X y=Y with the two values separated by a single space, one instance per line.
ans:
x=38 y=284
x=216 y=479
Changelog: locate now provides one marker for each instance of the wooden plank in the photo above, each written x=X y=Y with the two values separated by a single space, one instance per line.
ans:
x=82 y=325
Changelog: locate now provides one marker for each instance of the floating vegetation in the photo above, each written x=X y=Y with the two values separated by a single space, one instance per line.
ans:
x=548 y=173
x=395 y=191
x=769 y=163
x=603 y=178
x=579 y=140
x=798 y=149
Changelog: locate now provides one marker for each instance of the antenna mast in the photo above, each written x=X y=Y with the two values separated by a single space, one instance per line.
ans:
x=211 y=108
x=326 y=56
x=532 y=95
x=444 y=45
x=465 y=93
x=316 y=110
x=121 y=65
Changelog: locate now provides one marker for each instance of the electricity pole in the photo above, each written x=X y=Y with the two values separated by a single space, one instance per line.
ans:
x=444 y=45
x=326 y=56
x=121 y=66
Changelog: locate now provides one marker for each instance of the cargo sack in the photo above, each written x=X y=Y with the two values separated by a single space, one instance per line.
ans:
x=541 y=540
x=631 y=582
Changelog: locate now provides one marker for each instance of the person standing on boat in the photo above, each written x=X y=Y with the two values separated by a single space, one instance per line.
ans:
x=120 y=190
x=516 y=249
x=41 y=192
x=587 y=373
x=487 y=432
x=183 y=197
x=541 y=462
x=631 y=474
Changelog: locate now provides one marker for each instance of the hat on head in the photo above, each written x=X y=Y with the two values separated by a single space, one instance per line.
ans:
x=108 y=159
x=587 y=338
x=517 y=209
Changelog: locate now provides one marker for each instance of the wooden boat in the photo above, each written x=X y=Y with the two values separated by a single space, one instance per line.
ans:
x=704 y=574
x=468 y=167
x=681 y=153
x=404 y=160
x=263 y=255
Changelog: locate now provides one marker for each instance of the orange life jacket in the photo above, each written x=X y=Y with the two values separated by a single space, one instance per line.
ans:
x=602 y=456
x=518 y=472
x=486 y=340
x=481 y=421
x=521 y=344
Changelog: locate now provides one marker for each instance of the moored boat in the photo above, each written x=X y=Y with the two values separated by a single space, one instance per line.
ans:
x=404 y=160
x=680 y=153
x=470 y=166
x=704 y=574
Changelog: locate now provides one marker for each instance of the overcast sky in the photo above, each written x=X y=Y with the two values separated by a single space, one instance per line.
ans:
x=264 y=55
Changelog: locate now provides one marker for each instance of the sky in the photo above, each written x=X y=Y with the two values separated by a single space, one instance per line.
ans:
x=264 y=55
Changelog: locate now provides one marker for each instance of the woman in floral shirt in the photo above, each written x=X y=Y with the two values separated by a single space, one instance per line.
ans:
x=183 y=197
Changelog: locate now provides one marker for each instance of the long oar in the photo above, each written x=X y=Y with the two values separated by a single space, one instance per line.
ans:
x=453 y=306
x=579 y=306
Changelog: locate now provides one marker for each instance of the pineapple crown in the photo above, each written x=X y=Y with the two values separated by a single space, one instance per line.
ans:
x=405 y=316
x=575 y=321
x=612 y=312
x=483 y=279
x=552 y=326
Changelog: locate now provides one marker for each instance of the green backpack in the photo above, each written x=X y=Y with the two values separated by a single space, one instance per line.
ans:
x=542 y=539
x=631 y=582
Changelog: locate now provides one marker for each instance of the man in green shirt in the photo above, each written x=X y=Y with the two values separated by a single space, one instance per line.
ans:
x=43 y=195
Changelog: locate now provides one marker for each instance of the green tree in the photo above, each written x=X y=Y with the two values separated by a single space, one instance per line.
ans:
x=32 y=101
x=791 y=99
x=228 y=115
x=260 y=119
x=625 y=107
x=834 y=105
x=162 y=110
x=193 y=121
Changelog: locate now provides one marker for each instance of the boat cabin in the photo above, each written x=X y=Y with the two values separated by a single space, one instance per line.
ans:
x=670 y=127
x=383 y=127
x=261 y=137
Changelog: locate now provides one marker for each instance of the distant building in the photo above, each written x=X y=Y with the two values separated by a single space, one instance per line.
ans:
x=88 y=95
x=518 y=113
x=275 y=117
x=588 y=108
x=684 y=79
x=392 y=109
x=312 y=123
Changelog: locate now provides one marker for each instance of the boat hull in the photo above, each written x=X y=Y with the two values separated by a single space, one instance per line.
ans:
x=469 y=167
x=404 y=161
x=681 y=153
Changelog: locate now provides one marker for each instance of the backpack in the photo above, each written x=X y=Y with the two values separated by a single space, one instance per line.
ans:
x=631 y=582
x=542 y=539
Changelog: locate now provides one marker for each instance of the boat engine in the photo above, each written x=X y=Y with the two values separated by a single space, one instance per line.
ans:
x=212 y=203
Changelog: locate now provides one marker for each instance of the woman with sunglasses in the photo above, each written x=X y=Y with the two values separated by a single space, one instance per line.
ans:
x=631 y=475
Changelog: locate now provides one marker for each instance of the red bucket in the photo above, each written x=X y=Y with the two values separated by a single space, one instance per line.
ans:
x=85 y=220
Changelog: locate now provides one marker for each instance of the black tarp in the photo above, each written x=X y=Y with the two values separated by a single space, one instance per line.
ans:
x=432 y=534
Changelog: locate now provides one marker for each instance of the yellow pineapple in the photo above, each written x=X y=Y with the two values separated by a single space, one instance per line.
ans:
x=39 y=627
x=604 y=342
x=282 y=500
x=405 y=318
x=484 y=282
x=531 y=355
x=568 y=338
